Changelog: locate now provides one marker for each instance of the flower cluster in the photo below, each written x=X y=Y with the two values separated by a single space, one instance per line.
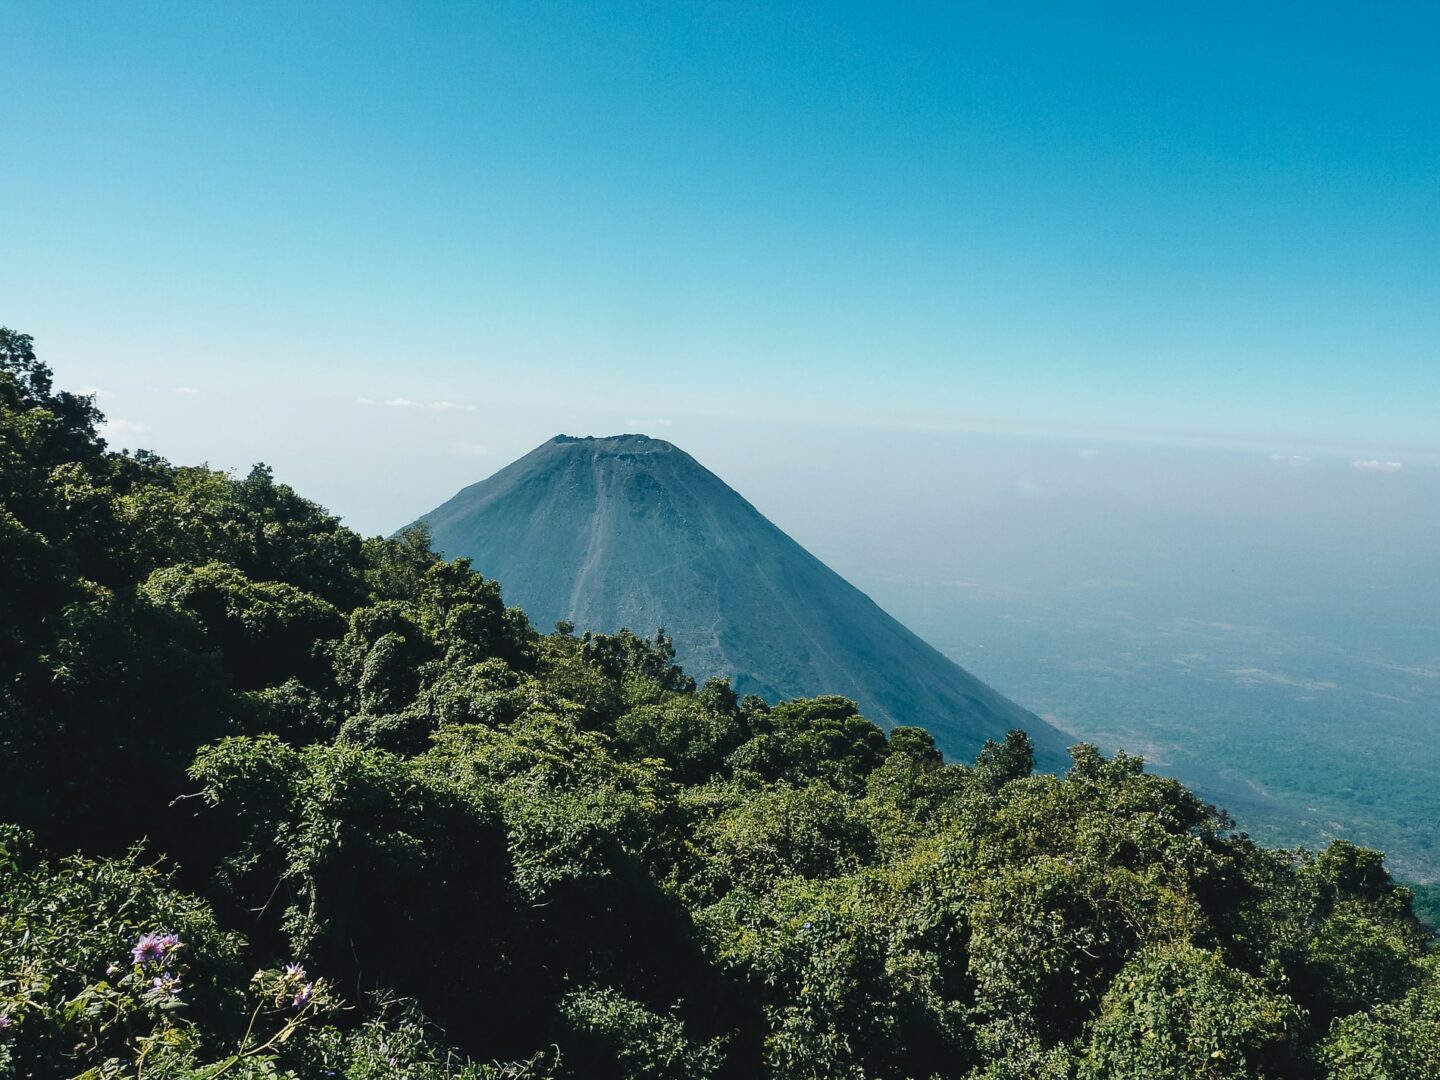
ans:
x=155 y=949
x=295 y=978
x=154 y=956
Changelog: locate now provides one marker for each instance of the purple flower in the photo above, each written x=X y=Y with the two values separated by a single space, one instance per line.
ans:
x=166 y=984
x=302 y=996
x=295 y=972
x=5 y=1021
x=154 y=948
x=150 y=949
x=809 y=926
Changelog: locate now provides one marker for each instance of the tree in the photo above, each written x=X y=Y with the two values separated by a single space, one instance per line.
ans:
x=1175 y=1010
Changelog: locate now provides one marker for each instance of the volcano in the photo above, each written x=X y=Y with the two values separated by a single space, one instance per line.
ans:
x=630 y=531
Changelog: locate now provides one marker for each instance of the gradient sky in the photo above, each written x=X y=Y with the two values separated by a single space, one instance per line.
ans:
x=733 y=225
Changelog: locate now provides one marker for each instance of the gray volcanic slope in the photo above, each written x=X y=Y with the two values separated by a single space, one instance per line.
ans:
x=630 y=531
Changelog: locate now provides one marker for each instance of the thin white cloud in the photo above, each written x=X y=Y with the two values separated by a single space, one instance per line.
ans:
x=410 y=403
x=648 y=423
x=1295 y=461
x=94 y=391
x=1374 y=465
x=124 y=427
x=470 y=449
x=186 y=390
x=1089 y=452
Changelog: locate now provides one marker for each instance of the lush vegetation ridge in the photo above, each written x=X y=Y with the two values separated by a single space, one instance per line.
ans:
x=446 y=844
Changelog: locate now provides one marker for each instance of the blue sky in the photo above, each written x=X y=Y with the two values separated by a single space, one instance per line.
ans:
x=1215 y=224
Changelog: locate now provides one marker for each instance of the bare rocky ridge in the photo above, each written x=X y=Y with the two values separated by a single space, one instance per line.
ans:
x=630 y=531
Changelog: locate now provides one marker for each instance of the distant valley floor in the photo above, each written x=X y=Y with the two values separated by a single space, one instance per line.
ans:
x=1251 y=700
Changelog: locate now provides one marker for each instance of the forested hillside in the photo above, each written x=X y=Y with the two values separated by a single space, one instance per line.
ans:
x=285 y=801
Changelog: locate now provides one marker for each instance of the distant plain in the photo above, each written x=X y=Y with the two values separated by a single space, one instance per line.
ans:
x=1267 y=631
x=1301 y=737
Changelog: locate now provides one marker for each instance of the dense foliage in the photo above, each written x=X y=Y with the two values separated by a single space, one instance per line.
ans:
x=234 y=736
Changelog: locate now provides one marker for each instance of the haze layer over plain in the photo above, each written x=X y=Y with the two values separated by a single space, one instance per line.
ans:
x=1265 y=625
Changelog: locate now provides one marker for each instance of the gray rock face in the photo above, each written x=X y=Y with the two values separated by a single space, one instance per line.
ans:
x=630 y=531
